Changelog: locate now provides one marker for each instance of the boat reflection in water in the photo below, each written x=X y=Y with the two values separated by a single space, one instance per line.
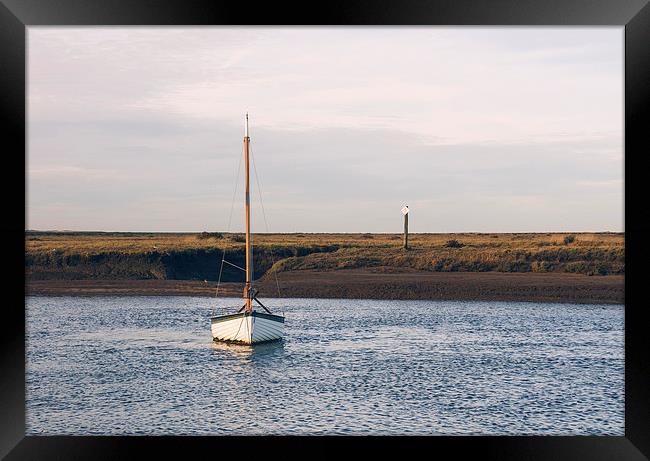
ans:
x=248 y=351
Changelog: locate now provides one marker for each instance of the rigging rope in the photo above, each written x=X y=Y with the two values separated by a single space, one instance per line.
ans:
x=234 y=265
x=266 y=224
x=232 y=207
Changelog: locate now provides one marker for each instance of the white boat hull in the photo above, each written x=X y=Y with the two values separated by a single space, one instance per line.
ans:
x=247 y=328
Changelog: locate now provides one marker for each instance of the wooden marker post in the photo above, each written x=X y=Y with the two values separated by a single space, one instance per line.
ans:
x=405 y=212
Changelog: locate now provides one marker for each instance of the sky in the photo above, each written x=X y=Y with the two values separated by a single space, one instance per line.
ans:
x=476 y=129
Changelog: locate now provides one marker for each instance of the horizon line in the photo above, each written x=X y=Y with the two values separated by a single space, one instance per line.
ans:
x=319 y=232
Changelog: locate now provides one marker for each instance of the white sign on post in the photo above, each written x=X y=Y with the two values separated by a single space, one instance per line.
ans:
x=405 y=210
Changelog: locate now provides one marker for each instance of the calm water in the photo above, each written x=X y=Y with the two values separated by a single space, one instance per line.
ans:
x=147 y=365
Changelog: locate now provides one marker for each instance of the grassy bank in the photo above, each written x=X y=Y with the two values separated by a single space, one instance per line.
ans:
x=140 y=256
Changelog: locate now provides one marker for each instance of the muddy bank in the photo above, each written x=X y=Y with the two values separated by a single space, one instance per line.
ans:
x=369 y=284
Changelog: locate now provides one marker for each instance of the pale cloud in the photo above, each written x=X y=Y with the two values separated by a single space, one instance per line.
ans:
x=615 y=183
x=74 y=173
x=493 y=129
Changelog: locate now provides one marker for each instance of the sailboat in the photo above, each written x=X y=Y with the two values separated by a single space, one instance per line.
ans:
x=248 y=325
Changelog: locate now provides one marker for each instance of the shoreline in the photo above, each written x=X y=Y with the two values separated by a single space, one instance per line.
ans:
x=368 y=284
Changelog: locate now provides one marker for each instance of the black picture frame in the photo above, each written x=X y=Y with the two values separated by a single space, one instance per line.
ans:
x=16 y=15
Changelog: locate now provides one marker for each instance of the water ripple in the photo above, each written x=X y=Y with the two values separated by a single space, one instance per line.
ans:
x=147 y=365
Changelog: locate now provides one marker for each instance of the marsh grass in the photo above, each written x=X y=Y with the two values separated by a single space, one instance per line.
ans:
x=587 y=253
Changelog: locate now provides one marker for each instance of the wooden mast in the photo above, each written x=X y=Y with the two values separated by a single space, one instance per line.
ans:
x=249 y=255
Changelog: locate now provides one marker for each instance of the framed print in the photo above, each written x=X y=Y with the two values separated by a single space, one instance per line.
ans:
x=352 y=223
